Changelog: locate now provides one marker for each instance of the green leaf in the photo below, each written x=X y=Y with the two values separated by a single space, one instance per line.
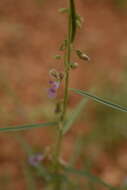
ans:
x=26 y=127
x=74 y=115
x=73 y=20
x=93 y=178
x=100 y=100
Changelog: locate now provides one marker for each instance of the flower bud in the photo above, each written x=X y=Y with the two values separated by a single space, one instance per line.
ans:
x=79 y=20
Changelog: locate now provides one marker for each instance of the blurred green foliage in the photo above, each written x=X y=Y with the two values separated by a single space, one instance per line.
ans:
x=121 y=3
x=109 y=124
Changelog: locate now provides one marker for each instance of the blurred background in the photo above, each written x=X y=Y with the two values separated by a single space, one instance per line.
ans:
x=31 y=32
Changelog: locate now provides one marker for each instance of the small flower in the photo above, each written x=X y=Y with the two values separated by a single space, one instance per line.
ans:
x=52 y=91
x=34 y=160
x=56 y=85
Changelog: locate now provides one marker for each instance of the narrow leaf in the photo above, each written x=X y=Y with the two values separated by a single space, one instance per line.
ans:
x=26 y=127
x=90 y=176
x=100 y=100
x=74 y=115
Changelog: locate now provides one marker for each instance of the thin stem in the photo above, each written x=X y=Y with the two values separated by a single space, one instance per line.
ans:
x=67 y=69
x=57 y=184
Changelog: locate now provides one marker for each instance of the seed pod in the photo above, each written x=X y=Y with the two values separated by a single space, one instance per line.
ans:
x=74 y=65
x=61 y=76
x=54 y=73
x=82 y=55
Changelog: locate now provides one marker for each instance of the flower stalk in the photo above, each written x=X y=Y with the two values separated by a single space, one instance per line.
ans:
x=67 y=47
x=67 y=61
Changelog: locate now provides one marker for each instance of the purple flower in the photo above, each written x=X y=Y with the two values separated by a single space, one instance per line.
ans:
x=56 y=84
x=52 y=91
x=34 y=160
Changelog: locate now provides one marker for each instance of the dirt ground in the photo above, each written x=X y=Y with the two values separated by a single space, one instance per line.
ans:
x=31 y=32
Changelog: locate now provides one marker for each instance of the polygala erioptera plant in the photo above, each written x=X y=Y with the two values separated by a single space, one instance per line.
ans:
x=74 y=21
x=59 y=171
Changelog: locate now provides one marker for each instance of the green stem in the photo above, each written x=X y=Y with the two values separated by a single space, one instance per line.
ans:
x=57 y=184
x=67 y=69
